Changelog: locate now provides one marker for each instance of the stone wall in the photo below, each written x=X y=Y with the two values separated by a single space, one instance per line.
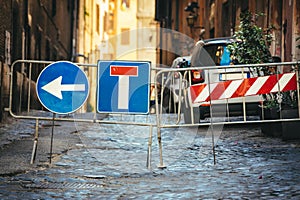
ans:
x=4 y=88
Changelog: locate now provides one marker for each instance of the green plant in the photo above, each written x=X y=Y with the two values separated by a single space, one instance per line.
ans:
x=281 y=100
x=252 y=46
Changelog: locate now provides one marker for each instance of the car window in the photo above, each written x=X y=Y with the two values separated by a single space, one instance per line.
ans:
x=200 y=56
x=219 y=54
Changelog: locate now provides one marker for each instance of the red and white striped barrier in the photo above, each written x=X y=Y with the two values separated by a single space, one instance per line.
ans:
x=243 y=87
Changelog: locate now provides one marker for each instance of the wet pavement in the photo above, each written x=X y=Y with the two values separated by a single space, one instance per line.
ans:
x=105 y=161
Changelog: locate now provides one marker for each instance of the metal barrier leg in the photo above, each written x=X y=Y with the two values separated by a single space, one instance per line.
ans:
x=35 y=142
x=161 y=164
x=149 y=148
x=51 y=142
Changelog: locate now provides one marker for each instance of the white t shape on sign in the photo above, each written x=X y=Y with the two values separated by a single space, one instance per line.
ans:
x=124 y=73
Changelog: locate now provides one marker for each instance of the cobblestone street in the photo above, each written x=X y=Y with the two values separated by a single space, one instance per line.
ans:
x=102 y=161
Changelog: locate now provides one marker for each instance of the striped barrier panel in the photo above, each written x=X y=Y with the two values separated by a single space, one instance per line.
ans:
x=243 y=87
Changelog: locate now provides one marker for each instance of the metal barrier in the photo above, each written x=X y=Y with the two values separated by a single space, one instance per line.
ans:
x=273 y=92
x=276 y=90
x=46 y=116
x=183 y=102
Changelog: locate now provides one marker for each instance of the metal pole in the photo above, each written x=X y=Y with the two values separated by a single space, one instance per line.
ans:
x=179 y=100
x=211 y=121
x=161 y=163
x=35 y=142
x=227 y=104
x=162 y=92
x=158 y=119
x=51 y=143
x=29 y=87
x=191 y=107
x=278 y=97
x=244 y=102
x=298 y=95
x=149 y=147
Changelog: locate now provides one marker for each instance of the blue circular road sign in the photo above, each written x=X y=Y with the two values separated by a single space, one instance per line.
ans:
x=62 y=87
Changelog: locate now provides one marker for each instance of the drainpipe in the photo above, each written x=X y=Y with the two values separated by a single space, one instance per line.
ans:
x=268 y=14
x=233 y=15
x=160 y=42
x=23 y=51
x=74 y=26
x=177 y=16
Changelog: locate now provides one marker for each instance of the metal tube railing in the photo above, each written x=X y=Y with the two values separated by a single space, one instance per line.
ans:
x=160 y=72
x=188 y=70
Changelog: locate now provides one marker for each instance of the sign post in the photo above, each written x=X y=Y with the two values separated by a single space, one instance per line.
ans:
x=62 y=87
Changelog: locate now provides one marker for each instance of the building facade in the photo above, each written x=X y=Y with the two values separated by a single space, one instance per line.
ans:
x=114 y=30
x=81 y=31
x=152 y=30
x=32 y=30
x=220 y=18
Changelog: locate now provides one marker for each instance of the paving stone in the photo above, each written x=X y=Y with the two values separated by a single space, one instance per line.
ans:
x=93 y=161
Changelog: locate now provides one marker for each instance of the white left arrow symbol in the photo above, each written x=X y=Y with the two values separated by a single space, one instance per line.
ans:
x=55 y=87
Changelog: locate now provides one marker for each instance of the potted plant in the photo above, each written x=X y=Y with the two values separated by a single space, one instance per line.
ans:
x=253 y=48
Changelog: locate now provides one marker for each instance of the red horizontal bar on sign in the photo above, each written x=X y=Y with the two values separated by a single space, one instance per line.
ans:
x=123 y=70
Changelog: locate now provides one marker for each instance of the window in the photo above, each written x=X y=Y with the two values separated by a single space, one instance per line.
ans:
x=48 y=50
x=7 y=47
x=219 y=54
x=97 y=18
x=105 y=22
x=108 y=24
x=53 y=8
x=124 y=4
x=125 y=36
